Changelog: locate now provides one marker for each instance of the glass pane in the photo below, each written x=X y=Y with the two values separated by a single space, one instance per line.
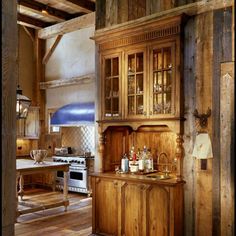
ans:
x=131 y=105
x=159 y=60
x=139 y=84
x=167 y=58
x=157 y=82
x=139 y=62
x=115 y=106
x=167 y=80
x=131 y=63
x=107 y=87
x=131 y=84
x=155 y=60
x=107 y=107
x=139 y=102
x=108 y=67
x=115 y=66
x=115 y=87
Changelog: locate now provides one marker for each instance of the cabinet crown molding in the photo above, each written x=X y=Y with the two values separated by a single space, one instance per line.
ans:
x=140 y=32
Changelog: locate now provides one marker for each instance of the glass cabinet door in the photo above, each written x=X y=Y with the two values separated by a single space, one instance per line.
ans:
x=162 y=80
x=111 y=87
x=135 y=84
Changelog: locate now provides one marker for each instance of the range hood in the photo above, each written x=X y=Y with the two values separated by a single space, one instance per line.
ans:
x=74 y=114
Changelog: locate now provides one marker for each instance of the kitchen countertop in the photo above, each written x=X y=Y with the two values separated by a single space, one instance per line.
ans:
x=138 y=178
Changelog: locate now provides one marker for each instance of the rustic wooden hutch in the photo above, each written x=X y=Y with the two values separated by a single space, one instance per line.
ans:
x=140 y=102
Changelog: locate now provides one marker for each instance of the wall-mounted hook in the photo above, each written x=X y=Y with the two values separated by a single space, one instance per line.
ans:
x=202 y=117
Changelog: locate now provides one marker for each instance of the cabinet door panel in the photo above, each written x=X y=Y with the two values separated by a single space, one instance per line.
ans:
x=158 y=214
x=111 y=87
x=106 y=207
x=162 y=82
x=132 y=210
x=135 y=84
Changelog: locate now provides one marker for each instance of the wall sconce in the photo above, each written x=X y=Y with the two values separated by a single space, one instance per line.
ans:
x=22 y=104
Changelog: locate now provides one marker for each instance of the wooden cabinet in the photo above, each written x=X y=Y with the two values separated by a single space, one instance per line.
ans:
x=141 y=73
x=29 y=127
x=140 y=89
x=135 y=206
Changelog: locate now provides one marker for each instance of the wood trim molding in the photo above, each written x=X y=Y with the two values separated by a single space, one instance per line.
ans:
x=68 y=82
x=159 y=33
x=81 y=22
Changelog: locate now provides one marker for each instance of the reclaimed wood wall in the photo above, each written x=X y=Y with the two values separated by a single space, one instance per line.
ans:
x=208 y=44
x=8 y=111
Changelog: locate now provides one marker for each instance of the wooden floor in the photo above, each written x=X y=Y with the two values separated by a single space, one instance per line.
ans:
x=56 y=222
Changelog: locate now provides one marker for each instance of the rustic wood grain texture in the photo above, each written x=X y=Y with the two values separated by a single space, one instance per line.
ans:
x=100 y=14
x=189 y=127
x=9 y=77
x=222 y=21
x=122 y=9
x=76 y=221
x=226 y=150
x=136 y=9
x=111 y=12
x=87 y=20
x=140 y=213
x=40 y=94
x=203 y=76
x=51 y=49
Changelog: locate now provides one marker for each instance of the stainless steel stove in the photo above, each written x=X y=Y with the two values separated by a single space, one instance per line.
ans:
x=78 y=174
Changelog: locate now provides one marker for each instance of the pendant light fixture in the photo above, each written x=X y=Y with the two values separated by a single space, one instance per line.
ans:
x=22 y=102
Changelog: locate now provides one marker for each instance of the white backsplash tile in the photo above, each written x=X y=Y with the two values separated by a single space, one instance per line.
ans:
x=81 y=139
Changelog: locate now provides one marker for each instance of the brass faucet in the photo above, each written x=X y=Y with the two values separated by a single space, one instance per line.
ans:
x=164 y=157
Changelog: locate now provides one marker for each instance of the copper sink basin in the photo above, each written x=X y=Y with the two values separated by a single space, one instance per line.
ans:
x=159 y=176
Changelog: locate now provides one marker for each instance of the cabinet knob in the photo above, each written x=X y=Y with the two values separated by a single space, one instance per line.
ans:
x=144 y=113
x=150 y=112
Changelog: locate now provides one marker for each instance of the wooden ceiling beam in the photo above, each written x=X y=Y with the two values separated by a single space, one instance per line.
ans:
x=84 y=4
x=81 y=22
x=32 y=21
x=45 y=9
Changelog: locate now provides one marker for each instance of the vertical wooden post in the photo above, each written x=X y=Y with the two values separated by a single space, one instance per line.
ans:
x=8 y=111
x=65 y=189
x=40 y=77
x=226 y=148
x=179 y=156
x=101 y=149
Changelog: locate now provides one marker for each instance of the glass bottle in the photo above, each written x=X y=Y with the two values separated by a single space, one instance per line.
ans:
x=149 y=162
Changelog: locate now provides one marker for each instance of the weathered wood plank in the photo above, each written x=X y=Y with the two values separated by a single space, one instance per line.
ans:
x=189 y=127
x=189 y=9
x=226 y=152
x=100 y=14
x=203 y=76
x=81 y=22
x=111 y=12
x=221 y=41
x=136 y=9
x=8 y=110
x=73 y=81
x=122 y=11
x=40 y=94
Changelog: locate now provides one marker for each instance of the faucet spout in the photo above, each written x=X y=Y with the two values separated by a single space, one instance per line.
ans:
x=163 y=158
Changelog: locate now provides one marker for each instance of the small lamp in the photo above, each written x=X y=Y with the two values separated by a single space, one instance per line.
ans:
x=22 y=104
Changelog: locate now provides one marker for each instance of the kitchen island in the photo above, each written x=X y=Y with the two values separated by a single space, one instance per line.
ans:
x=26 y=167
x=130 y=204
